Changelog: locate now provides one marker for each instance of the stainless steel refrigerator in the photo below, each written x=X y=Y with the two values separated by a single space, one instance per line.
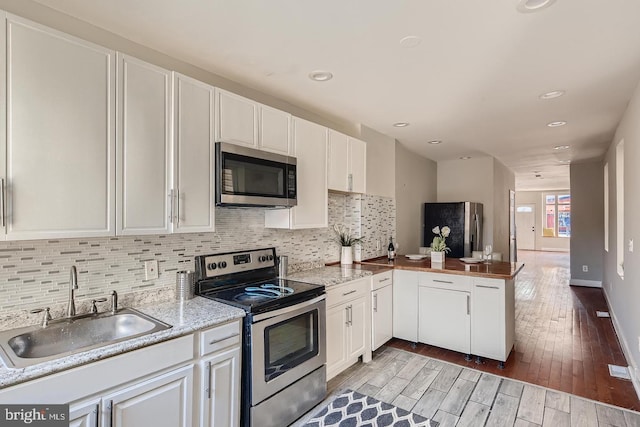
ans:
x=465 y=221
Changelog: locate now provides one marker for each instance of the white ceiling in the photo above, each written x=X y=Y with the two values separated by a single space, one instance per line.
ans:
x=473 y=81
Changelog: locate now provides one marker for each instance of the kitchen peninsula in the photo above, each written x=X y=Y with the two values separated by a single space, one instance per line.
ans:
x=469 y=308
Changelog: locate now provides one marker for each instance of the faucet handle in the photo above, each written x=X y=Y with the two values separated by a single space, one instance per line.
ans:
x=94 y=309
x=47 y=315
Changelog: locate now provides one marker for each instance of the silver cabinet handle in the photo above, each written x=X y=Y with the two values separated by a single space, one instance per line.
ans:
x=2 y=200
x=110 y=408
x=468 y=304
x=347 y=314
x=209 y=380
x=350 y=315
x=487 y=287
x=375 y=302
x=349 y=293
x=222 y=339
x=170 y=197
x=442 y=281
x=384 y=280
x=177 y=217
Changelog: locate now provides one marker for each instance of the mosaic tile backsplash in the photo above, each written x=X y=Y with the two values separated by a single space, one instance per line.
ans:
x=36 y=273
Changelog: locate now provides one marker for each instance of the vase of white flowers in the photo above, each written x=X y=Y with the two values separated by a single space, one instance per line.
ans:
x=439 y=244
x=347 y=241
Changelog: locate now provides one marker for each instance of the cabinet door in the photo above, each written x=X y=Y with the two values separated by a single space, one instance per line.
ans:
x=84 y=414
x=144 y=147
x=357 y=166
x=444 y=318
x=382 y=321
x=405 y=305
x=194 y=156
x=60 y=137
x=488 y=321
x=338 y=161
x=336 y=339
x=236 y=119
x=275 y=130
x=358 y=321
x=163 y=401
x=220 y=392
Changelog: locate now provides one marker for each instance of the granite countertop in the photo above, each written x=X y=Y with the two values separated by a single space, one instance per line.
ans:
x=186 y=318
x=493 y=270
x=330 y=276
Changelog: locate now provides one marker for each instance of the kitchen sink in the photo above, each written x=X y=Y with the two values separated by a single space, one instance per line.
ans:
x=36 y=344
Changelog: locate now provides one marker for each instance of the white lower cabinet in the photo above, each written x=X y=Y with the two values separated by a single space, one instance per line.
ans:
x=444 y=319
x=219 y=385
x=163 y=401
x=348 y=325
x=84 y=414
x=492 y=318
x=381 y=309
x=405 y=305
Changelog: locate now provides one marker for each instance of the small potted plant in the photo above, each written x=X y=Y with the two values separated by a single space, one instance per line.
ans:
x=346 y=241
x=439 y=245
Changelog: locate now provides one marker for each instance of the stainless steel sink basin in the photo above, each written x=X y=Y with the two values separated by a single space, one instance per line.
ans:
x=34 y=344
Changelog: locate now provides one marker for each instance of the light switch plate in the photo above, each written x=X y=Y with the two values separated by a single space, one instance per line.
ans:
x=630 y=245
x=150 y=270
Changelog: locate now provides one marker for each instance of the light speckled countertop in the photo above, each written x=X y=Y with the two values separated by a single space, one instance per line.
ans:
x=186 y=318
x=328 y=276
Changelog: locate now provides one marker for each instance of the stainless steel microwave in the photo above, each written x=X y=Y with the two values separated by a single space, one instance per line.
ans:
x=249 y=177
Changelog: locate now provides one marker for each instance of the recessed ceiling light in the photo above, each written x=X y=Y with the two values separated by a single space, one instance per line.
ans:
x=401 y=124
x=410 y=41
x=561 y=147
x=527 y=6
x=320 y=76
x=435 y=142
x=552 y=94
x=465 y=158
x=556 y=124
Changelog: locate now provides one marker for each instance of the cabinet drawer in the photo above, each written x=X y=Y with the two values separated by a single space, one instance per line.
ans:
x=381 y=279
x=347 y=292
x=219 y=337
x=445 y=281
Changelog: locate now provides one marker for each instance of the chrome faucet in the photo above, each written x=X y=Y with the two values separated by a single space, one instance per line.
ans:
x=73 y=285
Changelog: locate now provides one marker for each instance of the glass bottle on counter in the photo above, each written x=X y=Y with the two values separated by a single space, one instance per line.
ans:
x=391 y=250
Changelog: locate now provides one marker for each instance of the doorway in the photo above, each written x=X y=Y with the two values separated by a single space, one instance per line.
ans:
x=526 y=226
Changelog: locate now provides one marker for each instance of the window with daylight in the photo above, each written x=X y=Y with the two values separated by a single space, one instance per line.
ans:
x=557 y=221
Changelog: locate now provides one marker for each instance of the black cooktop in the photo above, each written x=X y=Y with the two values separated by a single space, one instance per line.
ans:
x=261 y=296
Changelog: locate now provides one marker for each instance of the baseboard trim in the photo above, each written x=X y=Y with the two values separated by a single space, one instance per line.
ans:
x=586 y=283
x=633 y=369
x=554 y=250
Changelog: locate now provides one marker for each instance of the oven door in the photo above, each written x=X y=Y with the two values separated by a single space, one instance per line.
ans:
x=248 y=177
x=286 y=345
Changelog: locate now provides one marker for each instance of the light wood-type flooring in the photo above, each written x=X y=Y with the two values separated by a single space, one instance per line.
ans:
x=560 y=342
x=457 y=396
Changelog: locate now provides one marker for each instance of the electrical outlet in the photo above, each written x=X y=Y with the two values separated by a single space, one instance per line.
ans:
x=378 y=245
x=585 y=268
x=150 y=270
x=630 y=245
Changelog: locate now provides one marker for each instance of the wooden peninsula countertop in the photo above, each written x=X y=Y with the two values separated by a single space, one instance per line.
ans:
x=494 y=270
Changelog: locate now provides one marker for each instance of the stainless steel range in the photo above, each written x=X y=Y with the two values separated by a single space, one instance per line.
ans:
x=284 y=355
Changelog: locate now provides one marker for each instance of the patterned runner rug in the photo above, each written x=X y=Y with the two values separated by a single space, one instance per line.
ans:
x=352 y=409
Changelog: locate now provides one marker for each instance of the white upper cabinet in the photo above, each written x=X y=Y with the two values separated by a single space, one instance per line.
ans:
x=347 y=163
x=275 y=130
x=194 y=156
x=245 y=122
x=236 y=119
x=310 y=149
x=357 y=166
x=59 y=171
x=144 y=148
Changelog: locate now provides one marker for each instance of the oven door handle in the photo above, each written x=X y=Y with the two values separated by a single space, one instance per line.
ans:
x=289 y=309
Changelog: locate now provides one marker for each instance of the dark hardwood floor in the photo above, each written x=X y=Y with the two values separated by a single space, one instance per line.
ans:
x=560 y=342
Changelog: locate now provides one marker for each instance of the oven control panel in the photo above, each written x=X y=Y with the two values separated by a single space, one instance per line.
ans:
x=236 y=262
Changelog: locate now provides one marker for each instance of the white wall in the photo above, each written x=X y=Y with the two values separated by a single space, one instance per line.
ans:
x=484 y=180
x=623 y=295
x=560 y=244
x=415 y=185
x=381 y=166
